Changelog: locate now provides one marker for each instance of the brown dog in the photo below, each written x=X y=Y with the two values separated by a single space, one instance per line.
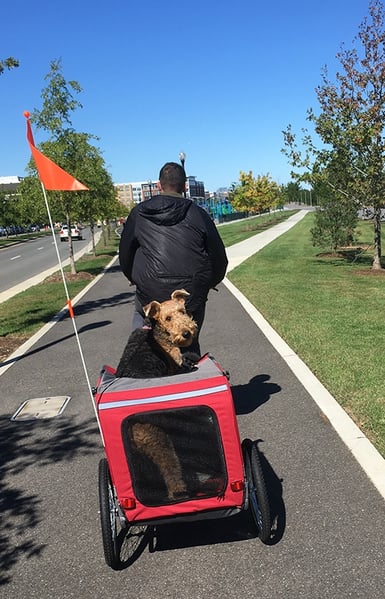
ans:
x=152 y=352
x=156 y=444
x=155 y=351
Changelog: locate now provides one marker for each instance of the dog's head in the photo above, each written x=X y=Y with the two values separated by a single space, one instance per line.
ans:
x=171 y=321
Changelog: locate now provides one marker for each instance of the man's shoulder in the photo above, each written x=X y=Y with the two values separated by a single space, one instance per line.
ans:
x=200 y=212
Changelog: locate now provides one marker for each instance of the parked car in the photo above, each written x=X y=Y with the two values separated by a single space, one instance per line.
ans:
x=75 y=232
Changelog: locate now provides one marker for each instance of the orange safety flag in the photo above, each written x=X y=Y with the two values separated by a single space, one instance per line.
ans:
x=51 y=175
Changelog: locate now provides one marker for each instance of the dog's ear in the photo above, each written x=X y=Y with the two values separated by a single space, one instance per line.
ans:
x=179 y=295
x=152 y=309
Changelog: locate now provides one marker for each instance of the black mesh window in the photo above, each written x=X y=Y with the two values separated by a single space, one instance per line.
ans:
x=175 y=455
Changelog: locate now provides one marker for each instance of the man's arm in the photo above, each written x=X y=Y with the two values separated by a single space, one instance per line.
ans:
x=128 y=245
x=216 y=251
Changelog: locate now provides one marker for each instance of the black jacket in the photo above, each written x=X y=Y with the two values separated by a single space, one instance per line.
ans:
x=170 y=243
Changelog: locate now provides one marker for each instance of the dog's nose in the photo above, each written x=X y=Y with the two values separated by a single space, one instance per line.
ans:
x=186 y=334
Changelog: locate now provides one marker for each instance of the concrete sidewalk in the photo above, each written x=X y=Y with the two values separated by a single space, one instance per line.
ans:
x=239 y=252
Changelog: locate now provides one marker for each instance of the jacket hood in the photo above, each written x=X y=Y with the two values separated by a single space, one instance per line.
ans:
x=164 y=210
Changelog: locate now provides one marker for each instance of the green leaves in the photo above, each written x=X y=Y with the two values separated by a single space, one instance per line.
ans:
x=350 y=125
x=255 y=194
x=8 y=63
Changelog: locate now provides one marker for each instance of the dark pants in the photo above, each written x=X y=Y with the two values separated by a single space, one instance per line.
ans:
x=198 y=315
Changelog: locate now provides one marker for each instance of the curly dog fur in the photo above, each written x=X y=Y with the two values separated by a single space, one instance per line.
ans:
x=155 y=351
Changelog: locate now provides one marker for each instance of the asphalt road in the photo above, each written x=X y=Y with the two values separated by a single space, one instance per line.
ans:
x=329 y=540
x=25 y=259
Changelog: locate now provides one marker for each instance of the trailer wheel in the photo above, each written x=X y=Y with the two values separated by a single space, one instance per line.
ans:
x=109 y=517
x=258 y=500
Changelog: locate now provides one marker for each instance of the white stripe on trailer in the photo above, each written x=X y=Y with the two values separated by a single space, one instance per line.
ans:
x=161 y=398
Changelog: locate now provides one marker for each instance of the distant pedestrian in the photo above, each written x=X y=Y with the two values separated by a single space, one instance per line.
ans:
x=170 y=243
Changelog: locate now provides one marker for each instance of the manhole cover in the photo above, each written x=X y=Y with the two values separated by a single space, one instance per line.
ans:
x=41 y=407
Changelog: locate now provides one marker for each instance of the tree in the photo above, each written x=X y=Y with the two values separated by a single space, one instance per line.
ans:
x=73 y=152
x=291 y=192
x=100 y=203
x=351 y=125
x=255 y=194
x=9 y=209
x=268 y=194
x=63 y=148
x=31 y=201
x=8 y=63
x=335 y=221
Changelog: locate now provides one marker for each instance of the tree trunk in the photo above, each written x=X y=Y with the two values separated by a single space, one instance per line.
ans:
x=70 y=246
x=72 y=258
x=377 y=239
x=92 y=229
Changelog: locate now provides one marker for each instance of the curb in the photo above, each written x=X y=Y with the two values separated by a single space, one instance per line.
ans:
x=362 y=449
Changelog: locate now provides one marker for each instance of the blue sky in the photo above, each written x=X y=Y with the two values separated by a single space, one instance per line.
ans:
x=217 y=80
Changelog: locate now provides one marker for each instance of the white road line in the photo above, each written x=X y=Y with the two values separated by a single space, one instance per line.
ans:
x=15 y=258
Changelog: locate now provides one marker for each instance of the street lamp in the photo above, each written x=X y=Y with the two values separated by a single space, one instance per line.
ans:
x=150 y=188
x=182 y=158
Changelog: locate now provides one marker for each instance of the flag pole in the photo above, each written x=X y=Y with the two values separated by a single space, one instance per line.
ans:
x=69 y=303
x=71 y=310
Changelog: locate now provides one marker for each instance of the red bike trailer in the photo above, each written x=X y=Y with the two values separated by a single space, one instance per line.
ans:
x=173 y=453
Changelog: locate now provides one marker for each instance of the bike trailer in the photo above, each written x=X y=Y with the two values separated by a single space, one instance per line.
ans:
x=193 y=432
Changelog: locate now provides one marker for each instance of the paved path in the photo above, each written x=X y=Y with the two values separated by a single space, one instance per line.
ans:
x=330 y=526
x=239 y=252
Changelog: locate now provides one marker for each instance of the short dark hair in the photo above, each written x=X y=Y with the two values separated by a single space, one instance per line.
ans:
x=172 y=177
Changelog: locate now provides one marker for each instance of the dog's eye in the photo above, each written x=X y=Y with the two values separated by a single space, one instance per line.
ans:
x=168 y=318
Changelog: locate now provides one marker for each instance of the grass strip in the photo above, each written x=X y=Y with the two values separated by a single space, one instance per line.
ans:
x=23 y=314
x=243 y=229
x=329 y=309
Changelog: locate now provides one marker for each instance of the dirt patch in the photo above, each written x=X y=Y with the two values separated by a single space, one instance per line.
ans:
x=79 y=276
x=351 y=251
x=331 y=255
x=10 y=343
x=370 y=272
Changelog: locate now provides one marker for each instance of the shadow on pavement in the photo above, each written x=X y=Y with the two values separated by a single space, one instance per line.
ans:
x=256 y=392
x=41 y=348
x=103 y=302
x=276 y=503
x=25 y=445
x=226 y=530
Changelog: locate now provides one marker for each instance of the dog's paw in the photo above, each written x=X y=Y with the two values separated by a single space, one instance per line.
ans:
x=189 y=359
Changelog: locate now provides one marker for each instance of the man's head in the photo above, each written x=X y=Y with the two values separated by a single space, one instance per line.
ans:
x=172 y=177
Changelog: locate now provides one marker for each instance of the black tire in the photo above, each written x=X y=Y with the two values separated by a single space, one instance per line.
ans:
x=109 y=517
x=258 y=500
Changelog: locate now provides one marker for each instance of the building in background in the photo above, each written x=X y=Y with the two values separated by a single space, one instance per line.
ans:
x=135 y=192
x=10 y=184
x=215 y=203
x=132 y=193
x=195 y=189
